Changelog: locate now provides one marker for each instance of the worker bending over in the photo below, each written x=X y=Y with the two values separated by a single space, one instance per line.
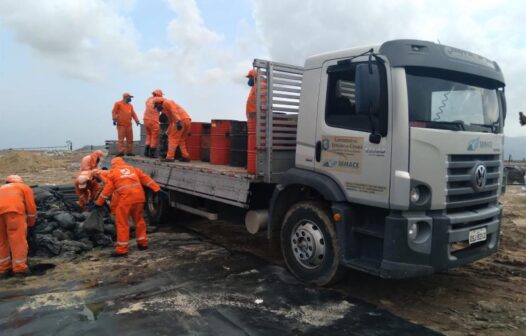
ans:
x=91 y=161
x=151 y=125
x=178 y=130
x=87 y=188
x=124 y=185
x=122 y=115
x=17 y=211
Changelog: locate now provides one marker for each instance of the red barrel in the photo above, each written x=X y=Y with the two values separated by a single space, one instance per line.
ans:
x=220 y=142
x=194 y=141
x=205 y=143
x=251 y=146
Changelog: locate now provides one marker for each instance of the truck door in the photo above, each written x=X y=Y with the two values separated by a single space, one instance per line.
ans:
x=345 y=149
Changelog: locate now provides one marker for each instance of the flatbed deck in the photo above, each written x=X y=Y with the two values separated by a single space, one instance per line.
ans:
x=225 y=184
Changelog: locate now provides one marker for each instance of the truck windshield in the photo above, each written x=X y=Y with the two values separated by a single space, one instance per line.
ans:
x=448 y=100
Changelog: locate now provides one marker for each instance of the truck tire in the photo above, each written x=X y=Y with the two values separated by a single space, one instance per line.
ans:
x=309 y=244
x=156 y=207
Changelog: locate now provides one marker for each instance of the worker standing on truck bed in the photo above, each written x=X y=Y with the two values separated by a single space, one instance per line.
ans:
x=122 y=115
x=151 y=125
x=126 y=183
x=178 y=130
x=251 y=111
x=17 y=211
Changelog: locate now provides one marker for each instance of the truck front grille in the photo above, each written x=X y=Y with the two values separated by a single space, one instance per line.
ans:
x=460 y=192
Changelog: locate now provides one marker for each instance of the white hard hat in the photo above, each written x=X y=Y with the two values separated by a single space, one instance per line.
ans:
x=82 y=181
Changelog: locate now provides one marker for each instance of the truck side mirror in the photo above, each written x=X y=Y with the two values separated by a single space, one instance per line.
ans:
x=367 y=92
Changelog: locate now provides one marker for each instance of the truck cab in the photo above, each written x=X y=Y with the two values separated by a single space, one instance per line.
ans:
x=398 y=163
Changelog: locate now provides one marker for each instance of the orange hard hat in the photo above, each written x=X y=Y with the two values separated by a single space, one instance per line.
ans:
x=116 y=162
x=13 y=179
x=126 y=95
x=251 y=73
x=157 y=93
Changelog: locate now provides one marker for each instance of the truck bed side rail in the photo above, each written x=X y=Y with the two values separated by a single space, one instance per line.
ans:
x=278 y=91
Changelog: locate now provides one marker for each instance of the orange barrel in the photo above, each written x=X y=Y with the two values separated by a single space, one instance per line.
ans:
x=220 y=142
x=193 y=143
x=205 y=143
x=251 y=146
x=238 y=144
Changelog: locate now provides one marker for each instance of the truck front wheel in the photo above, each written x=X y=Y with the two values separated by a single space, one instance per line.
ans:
x=309 y=244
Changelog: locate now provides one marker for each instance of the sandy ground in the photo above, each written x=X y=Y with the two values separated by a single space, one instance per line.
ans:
x=485 y=298
x=43 y=168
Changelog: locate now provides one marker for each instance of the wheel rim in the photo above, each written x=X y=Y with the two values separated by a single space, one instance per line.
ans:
x=152 y=203
x=308 y=244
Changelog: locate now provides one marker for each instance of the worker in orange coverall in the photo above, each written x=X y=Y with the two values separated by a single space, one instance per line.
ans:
x=91 y=161
x=17 y=211
x=122 y=115
x=151 y=125
x=178 y=130
x=251 y=111
x=126 y=183
x=87 y=188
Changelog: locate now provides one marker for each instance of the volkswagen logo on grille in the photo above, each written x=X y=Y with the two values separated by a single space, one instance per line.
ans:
x=479 y=177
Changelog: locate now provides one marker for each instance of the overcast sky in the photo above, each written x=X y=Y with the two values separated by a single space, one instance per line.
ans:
x=64 y=63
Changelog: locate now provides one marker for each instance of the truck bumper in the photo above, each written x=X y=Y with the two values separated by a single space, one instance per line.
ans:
x=442 y=242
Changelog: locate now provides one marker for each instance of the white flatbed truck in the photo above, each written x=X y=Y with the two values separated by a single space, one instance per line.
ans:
x=386 y=159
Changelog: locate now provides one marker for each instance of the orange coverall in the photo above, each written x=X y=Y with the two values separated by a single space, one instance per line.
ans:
x=91 y=161
x=123 y=113
x=102 y=175
x=89 y=193
x=176 y=113
x=251 y=111
x=126 y=182
x=17 y=211
x=151 y=124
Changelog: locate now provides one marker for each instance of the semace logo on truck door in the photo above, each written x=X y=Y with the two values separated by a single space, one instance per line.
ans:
x=342 y=153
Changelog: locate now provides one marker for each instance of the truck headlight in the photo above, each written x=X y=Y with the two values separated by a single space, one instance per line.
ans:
x=419 y=195
x=415 y=195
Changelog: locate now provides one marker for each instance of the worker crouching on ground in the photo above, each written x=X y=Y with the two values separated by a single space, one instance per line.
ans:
x=178 y=130
x=151 y=125
x=17 y=211
x=122 y=115
x=125 y=183
x=87 y=188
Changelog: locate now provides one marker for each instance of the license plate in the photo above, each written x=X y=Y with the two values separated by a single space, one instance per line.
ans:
x=477 y=235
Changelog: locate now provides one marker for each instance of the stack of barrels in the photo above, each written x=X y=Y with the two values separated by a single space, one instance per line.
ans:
x=224 y=142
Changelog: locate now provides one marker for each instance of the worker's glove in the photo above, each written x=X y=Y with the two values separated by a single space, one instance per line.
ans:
x=179 y=125
x=114 y=122
x=138 y=123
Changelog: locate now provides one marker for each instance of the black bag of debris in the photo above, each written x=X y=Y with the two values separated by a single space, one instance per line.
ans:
x=65 y=220
x=44 y=227
x=41 y=194
x=95 y=221
x=47 y=245
x=100 y=239
x=74 y=246
x=109 y=229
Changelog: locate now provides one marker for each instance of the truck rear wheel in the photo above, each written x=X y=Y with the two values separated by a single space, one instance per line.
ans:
x=156 y=207
x=309 y=244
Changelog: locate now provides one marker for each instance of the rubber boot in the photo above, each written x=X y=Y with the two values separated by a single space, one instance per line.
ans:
x=153 y=153
x=147 y=151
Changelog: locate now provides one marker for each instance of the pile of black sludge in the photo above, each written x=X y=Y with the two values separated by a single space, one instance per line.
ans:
x=62 y=230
